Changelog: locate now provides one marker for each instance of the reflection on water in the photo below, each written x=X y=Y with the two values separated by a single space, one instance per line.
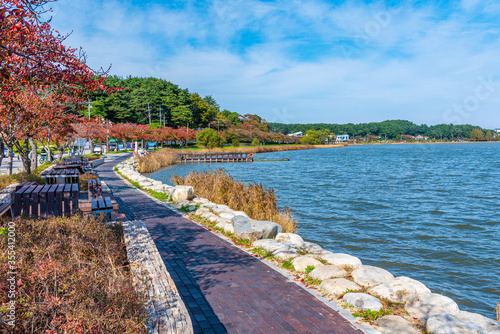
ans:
x=425 y=211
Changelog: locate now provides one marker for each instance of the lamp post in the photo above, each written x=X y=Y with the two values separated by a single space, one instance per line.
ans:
x=89 y=107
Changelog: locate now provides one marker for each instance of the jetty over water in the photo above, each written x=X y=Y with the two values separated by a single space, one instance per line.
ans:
x=215 y=157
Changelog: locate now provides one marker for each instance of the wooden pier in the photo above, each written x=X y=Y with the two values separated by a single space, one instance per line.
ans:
x=215 y=157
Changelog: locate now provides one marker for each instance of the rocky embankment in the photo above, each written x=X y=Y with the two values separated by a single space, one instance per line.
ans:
x=404 y=304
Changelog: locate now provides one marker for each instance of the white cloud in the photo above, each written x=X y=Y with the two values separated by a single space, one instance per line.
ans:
x=405 y=63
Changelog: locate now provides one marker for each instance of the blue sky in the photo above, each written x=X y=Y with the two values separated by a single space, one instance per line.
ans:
x=300 y=61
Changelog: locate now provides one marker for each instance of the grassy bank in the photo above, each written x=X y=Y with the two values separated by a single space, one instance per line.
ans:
x=71 y=276
x=255 y=200
x=251 y=149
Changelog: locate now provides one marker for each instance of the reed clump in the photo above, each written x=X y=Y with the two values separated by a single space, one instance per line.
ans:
x=498 y=311
x=156 y=161
x=72 y=276
x=256 y=201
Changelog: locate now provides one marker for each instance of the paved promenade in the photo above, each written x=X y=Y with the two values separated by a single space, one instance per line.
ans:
x=225 y=289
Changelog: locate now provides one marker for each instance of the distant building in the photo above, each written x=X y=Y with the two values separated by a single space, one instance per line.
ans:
x=497 y=130
x=342 y=138
x=420 y=137
x=296 y=134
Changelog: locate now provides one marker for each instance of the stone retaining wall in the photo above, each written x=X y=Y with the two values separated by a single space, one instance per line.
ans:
x=167 y=312
x=7 y=194
x=97 y=162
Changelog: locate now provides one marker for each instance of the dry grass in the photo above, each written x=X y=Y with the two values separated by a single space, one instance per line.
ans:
x=6 y=180
x=255 y=200
x=72 y=277
x=84 y=178
x=153 y=162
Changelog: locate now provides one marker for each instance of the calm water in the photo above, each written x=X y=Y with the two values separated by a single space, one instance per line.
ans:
x=430 y=212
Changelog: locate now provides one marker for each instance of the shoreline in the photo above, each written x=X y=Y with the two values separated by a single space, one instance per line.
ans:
x=390 y=288
x=426 y=143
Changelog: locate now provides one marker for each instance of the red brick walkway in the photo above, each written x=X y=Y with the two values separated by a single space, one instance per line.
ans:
x=225 y=289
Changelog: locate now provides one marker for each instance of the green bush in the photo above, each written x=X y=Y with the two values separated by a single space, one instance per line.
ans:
x=235 y=142
x=209 y=138
x=255 y=142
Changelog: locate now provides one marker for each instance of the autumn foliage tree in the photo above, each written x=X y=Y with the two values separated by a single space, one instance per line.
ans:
x=36 y=69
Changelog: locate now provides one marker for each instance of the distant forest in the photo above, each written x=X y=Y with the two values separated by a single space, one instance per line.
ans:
x=161 y=103
x=390 y=129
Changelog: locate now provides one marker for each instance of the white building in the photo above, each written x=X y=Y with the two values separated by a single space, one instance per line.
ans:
x=296 y=134
x=342 y=138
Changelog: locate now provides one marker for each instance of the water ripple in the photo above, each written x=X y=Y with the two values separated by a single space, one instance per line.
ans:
x=425 y=211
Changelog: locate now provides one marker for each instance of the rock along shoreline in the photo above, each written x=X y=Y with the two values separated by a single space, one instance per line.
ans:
x=382 y=302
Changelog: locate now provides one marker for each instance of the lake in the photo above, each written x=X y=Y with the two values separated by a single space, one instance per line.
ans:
x=427 y=211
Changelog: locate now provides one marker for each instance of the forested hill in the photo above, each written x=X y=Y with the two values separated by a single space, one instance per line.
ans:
x=176 y=106
x=391 y=129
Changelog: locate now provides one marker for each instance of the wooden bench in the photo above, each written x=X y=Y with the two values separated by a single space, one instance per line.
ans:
x=62 y=175
x=46 y=201
x=95 y=188
x=98 y=203
x=6 y=208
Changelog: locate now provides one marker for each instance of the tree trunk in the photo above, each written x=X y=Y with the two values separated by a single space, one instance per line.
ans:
x=2 y=150
x=34 y=153
x=61 y=152
x=91 y=146
x=10 y=155
x=23 y=152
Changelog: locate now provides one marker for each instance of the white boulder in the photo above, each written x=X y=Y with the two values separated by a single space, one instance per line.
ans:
x=302 y=262
x=341 y=259
x=222 y=208
x=489 y=325
x=269 y=245
x=326 y=272
x=451 y=324
x=201 y=211
x=393 y=324
x=268 y=229
x=291 y=238
x=240 y=213
x=229 y=228
x=338 y=286
x=363 y=301
x=311 y=248
x=200 y=200
x=370 y=275
x=419 y=287
x=430 y=304
x=394 y=291
x=286 y=253
x=182 y=192
x=226 y=215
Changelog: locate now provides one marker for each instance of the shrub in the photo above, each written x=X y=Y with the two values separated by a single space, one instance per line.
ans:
x=92 y=156
x=235 y=142
x=156 y=161
x=84 y=178
x=255 y=142
x=6 y=180
x=257 y=201
x=72 y=277
x=209 y=138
